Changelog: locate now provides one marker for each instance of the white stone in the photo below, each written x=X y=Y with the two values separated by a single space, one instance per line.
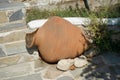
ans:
x=64 y=64
x=80 y=62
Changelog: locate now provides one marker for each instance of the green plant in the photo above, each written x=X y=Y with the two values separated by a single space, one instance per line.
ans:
x=103 y=12
x=36 y=13
x=102 y=35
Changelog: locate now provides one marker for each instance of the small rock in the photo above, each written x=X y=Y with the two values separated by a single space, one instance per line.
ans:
x=72 y=67
x=80 y=62
x=64 y=64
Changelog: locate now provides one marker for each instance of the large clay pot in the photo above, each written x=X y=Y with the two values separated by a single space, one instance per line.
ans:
x=57 y=39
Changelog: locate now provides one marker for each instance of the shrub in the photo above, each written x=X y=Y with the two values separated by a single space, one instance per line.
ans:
x=102 y=35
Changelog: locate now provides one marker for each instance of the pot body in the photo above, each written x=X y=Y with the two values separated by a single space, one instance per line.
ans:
x=59 y=39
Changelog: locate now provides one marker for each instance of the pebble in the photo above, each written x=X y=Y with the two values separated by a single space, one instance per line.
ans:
x=80 y=62
x=64 y=64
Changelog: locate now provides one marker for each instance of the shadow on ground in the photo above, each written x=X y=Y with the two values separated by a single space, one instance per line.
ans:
x=99 y=69
x=32 y=49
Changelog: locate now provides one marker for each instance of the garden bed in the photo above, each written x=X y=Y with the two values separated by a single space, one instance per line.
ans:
x=98 y=22
x=103 y=12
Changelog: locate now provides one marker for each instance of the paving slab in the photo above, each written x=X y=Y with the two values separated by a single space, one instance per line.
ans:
x=96 y=73
x=18 y=15
x=65 y=78
x=15 y=59
x=111 y=59
x=96 y=60
x=10 y=36
x=12 y=26
x=40 y=64
x=17 y=70
x=65 y=75
x=3 y=17
x=96 y=70
x=28 y=77
x=115 y=70
x=52 y=72
x=4 y=1
x=10 y=60
x=77 y=72
x=15 y=47
x=8 y=6
x=2 y=53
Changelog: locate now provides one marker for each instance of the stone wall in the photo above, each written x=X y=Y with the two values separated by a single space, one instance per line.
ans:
x=94 y=4
x=11 y=12
x=62 y=4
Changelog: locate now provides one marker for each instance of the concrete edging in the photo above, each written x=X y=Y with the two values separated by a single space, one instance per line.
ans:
x=74 y=20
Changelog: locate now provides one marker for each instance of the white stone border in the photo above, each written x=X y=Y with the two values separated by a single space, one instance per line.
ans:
x=74 y=20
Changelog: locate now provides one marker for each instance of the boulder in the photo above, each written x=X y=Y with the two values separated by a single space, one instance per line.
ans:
x=57 y=39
